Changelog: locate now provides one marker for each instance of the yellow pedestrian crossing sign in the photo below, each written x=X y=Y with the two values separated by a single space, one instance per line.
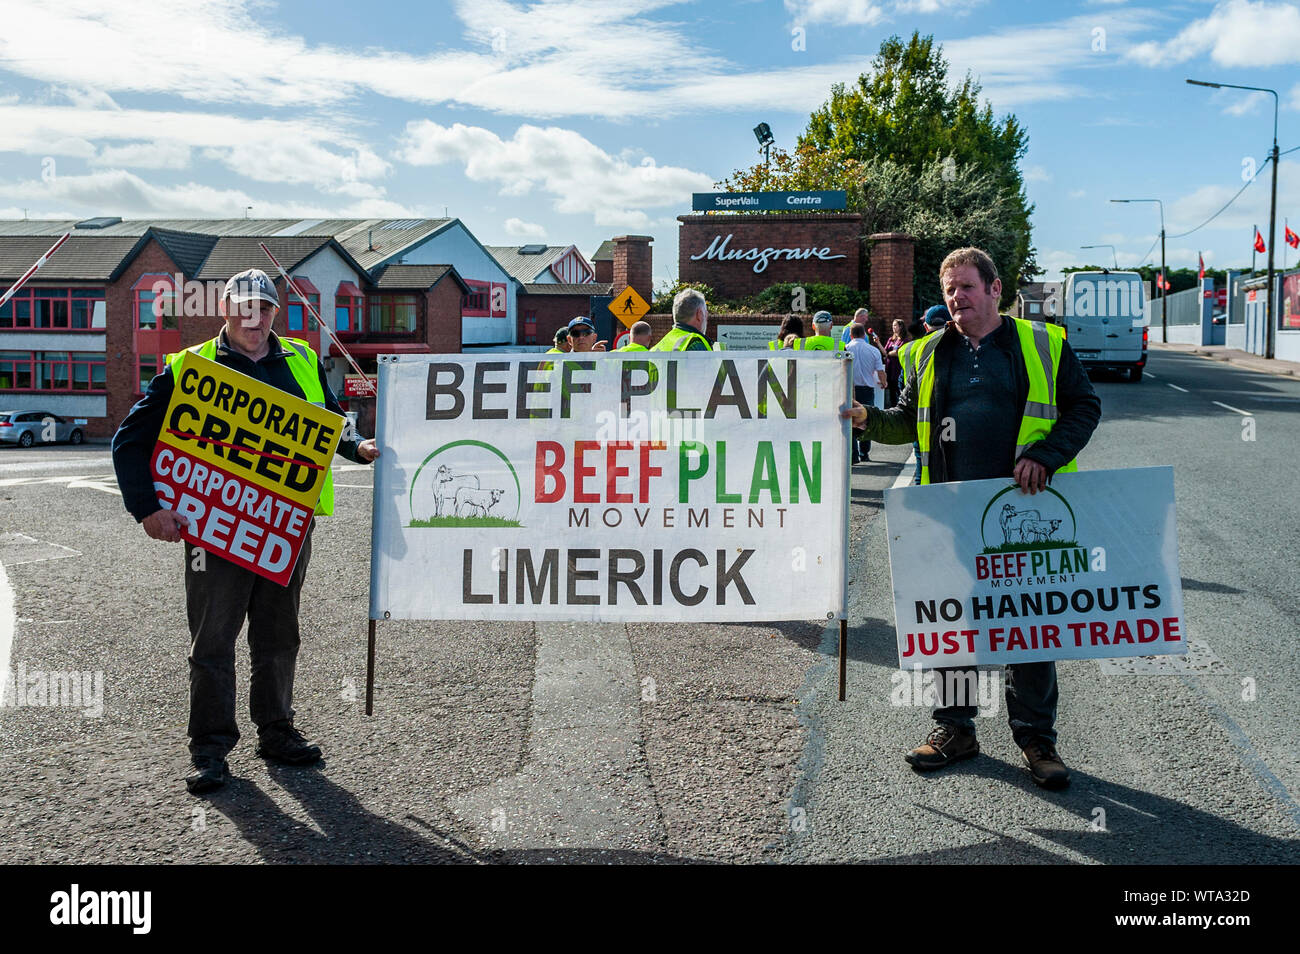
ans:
x=629 y=307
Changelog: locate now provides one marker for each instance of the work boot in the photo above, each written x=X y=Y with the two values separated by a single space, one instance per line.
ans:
x=209 y=773
x=943 y=746
x=1045 y=765
x=281 y=742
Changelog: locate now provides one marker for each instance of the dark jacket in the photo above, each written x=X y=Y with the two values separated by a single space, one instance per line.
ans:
x=1078 y=407
x=134 y=441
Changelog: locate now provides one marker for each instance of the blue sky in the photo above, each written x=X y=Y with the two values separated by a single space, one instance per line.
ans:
x=571 y=121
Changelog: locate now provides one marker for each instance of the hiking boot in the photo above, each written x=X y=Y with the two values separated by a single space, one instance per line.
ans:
x=209 y=773
x=943 y=746
x=1045 y=765
x=283 y=743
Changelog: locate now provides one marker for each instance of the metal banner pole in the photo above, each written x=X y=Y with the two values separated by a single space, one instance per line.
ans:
x=846 y=362
x=370 y=669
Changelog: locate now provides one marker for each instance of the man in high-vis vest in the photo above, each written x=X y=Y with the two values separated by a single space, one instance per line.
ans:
x=219 y=595
x=638 y=338
x=690 y=322
x=991 y=396
x=820 y=339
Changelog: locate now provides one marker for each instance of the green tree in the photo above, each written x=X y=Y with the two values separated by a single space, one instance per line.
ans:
x=903 y=119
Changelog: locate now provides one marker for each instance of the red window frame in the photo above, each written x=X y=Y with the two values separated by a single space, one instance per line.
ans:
x=384 y=308
x=299 y=317
x=530 y=326
x=162 y=317
x=44 y=368
x=477 y=303
x=24 y=311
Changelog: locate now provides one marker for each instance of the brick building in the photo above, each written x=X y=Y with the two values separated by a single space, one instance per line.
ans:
x=83 y=338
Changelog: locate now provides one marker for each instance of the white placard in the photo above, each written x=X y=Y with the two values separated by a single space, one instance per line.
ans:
x=984 y=573
x=612 y=487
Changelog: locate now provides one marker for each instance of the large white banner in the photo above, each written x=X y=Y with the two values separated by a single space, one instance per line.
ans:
x=610 y=487
x=984 y=573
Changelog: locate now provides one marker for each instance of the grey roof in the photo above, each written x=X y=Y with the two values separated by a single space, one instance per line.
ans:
x=234 y=253
x=388 y=236
x=525 y=268
x=605 y=253
x=188 y=250
x=409 y=277
x=591 y=288
x=82 y=257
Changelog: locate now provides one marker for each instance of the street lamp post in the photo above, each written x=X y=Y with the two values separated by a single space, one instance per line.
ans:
x=1164 y=305
x=1271 y=330
x=1112 y=253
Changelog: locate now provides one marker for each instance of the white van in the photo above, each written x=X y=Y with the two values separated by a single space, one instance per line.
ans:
x=1104 y=320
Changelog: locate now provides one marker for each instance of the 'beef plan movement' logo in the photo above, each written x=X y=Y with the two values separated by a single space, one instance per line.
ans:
x=1029 y=541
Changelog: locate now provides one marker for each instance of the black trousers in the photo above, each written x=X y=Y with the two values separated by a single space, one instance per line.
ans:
x=1031 y=694
x=864 y=394
x=219 y=597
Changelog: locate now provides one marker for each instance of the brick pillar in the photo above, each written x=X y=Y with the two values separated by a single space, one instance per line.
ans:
x=632 y=264
x=891 y=276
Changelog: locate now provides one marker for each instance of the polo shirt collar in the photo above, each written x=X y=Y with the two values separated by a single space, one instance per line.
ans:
x=275 y=349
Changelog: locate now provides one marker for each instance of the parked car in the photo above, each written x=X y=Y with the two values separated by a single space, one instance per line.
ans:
x=26 y=428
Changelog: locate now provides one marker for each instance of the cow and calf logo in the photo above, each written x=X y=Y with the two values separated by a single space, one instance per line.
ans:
x=465 y=484
x=1029 y=539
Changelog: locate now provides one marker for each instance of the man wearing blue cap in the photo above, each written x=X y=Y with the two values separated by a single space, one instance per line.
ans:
x=220 y=595
x=582 y=336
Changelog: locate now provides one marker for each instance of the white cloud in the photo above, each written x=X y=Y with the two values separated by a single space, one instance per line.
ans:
x=1037 y=174
x=1236 y=33
x=159 y=154
x=536 y=59
x=124 y=193
x=318 y=153
x=1241 y=105
x=582 y=178
x=837 y=12
x=1077 y=193
x=521 y=229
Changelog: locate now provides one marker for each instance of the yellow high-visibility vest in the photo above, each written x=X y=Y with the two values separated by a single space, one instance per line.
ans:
x=678 y=340
x=1040 y=345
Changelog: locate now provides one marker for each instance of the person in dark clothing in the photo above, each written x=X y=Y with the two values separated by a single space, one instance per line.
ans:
x=980 y=386
x=219 y=594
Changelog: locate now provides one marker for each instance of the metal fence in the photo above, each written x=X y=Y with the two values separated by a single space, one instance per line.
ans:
x=1184 y=308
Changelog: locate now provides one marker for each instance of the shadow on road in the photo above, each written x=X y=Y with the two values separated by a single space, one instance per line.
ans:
x=1139 y=828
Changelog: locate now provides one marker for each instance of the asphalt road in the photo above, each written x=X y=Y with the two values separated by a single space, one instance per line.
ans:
x=513 y=742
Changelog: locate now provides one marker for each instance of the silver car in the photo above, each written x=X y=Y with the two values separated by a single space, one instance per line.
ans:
x=26 y=428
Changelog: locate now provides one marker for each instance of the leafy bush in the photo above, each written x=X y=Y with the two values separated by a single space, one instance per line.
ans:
x=818 y=296
x=664 y=295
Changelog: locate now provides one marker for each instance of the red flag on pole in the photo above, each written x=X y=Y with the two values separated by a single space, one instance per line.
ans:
x=1259 y=241
x=1161 y=283
x=1291 y=238
x=1200 y=261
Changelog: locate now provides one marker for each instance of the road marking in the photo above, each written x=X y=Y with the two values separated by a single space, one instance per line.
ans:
x=1234 y=410
x=585 y=782
x=1150 y=375
x=91 y=482
x=907 y=473
x=17 y=543
x=1177 y=388
x=6 y=626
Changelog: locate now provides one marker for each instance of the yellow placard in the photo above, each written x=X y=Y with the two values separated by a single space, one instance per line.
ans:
x=629 y=307
x=264 y=436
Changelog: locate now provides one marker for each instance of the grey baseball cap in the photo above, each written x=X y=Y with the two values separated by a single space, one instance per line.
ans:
x=252 y=284
x=823 y=318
